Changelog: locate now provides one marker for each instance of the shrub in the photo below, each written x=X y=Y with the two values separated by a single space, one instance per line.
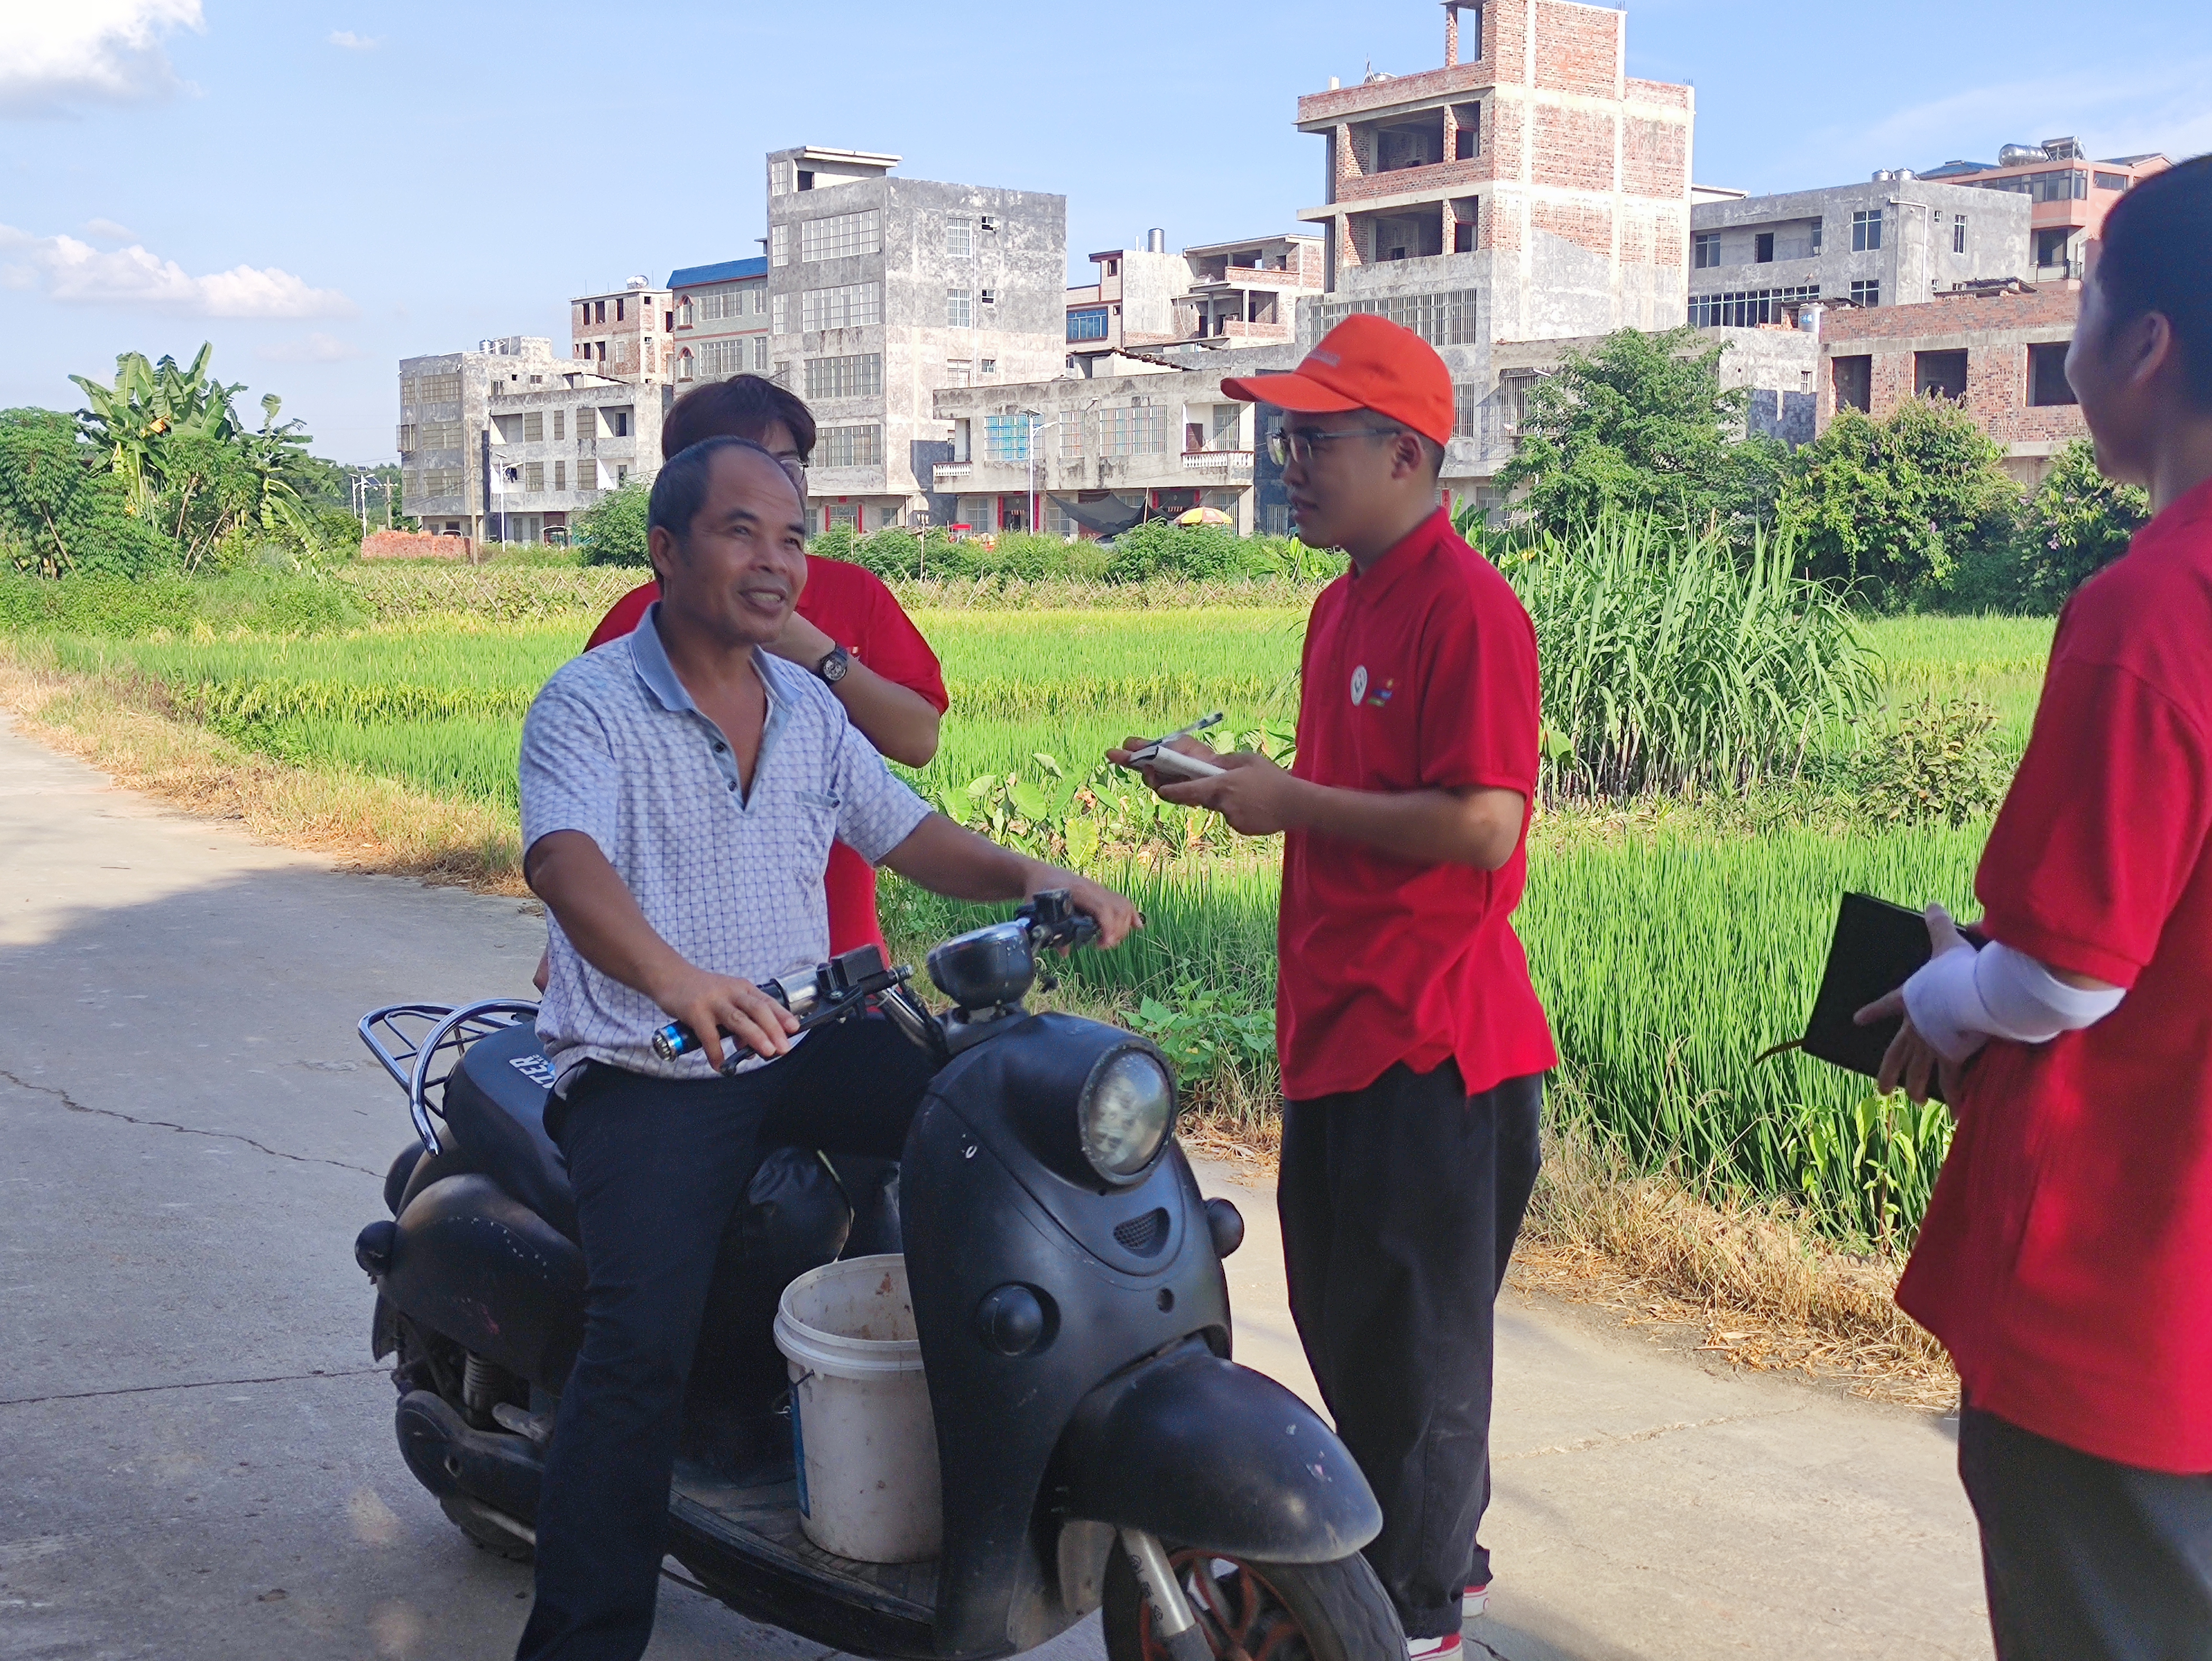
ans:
x=612 y=530
x=1670 y=660
x=1935 y=765
x=62 y=510
x=2076 y=523
x=1890 y=509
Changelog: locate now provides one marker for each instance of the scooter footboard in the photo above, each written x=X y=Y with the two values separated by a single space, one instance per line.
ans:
x=1203 y=1452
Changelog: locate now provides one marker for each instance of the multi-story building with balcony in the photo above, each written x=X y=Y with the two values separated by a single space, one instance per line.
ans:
x=720 y=319
x=2068 y=195
x=881 y=291
x=508 y=443
x=1220 y=294
x=1895 y=241
x=624 y=334
x=1090 y=457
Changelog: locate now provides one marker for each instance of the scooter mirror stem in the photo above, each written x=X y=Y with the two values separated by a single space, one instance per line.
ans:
x=1178 y=1627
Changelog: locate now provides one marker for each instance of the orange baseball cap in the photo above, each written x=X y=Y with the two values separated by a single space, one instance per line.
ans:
x=1365 y=362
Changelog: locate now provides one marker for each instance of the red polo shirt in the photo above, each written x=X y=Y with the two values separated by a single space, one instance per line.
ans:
x=1420 y=674
x=849 y=603
x=2066 y=1259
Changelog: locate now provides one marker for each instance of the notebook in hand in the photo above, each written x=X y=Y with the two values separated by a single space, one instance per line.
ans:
x=1877 y=947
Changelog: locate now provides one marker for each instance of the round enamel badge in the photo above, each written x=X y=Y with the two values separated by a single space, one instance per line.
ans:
x=1359 y=683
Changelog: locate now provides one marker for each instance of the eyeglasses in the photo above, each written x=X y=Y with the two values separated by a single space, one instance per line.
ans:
x=795 y=471
x=1285 y=447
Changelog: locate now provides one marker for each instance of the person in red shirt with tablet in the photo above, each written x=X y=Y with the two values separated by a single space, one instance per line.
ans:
x=849 y=627
x=1413 y=1047
x=2066 y=1257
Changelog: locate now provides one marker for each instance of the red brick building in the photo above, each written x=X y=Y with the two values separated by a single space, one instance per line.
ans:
x=2003 y=353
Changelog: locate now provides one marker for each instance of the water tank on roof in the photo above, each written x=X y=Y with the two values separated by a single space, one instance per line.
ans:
x=1155 y=240
x=2013 y=156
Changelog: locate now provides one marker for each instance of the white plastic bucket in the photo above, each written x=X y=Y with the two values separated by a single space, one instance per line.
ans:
x=865 y=1446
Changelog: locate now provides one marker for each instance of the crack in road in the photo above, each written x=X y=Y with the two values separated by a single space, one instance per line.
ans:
x=201 y=1383
x=1649 y=1434
x=75 y=1106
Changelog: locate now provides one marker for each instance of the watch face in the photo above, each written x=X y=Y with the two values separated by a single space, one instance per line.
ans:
x=833 y=667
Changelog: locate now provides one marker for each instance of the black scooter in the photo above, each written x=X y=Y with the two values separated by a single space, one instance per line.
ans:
x=1096 y=1446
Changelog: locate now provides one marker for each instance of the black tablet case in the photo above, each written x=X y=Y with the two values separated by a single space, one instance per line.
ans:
x=1876 y=948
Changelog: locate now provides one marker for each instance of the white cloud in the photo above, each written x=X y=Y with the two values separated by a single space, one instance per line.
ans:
x=78 y=273
x=100 y=51
x=106 y=230
x=316 y=348
x=353 y=42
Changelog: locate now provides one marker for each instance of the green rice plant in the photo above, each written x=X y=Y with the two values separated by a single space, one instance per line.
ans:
x=1670 y=661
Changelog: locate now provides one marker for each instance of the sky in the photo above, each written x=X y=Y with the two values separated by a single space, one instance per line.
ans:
x=321 y=187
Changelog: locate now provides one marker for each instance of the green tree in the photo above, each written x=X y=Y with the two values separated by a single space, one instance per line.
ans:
x=63 y=509
x=611 y=531
x=1895 y=509
x=2076 y=523
x=1641 y=426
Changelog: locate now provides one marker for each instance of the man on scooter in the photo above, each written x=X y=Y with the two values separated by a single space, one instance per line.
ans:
x=681 y=786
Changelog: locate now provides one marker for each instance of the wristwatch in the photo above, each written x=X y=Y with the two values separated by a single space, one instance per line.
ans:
x=833 y=668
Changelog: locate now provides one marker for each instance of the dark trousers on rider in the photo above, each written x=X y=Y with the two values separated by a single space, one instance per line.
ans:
x=2086 y=1560
x=657 y=1166
x=1400 y=1206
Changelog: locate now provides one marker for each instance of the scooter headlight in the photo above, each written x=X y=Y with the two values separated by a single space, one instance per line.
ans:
x=1127 y=1106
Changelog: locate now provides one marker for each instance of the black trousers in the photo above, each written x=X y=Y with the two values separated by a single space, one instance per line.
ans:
x=657 y=1166
x=2086 y=1560
x=1400 y=1206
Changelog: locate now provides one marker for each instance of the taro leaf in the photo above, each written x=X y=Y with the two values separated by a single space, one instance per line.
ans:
x=1082 y=841
x=1047 y=763
x=957 y=804
x=1028 y=801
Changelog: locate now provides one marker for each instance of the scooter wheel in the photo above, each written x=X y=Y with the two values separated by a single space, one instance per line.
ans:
x=1283 y=1611
x=497 y=1532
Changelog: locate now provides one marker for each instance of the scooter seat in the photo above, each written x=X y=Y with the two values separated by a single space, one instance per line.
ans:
x=495 y=1105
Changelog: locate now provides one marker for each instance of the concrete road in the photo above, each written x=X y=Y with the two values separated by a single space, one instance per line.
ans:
x=196 y=1453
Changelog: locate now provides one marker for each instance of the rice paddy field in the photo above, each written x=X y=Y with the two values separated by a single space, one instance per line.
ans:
x=1670 y=948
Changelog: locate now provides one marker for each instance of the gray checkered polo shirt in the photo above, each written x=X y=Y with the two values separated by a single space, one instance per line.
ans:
x=614 y=747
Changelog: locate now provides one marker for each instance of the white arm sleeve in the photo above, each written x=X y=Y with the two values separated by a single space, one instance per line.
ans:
x=1963 y=998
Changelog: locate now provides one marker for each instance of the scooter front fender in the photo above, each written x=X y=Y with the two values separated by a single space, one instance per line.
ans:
x=1203 y=1452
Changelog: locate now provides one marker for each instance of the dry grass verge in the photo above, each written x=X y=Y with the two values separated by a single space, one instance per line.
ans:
x=1765 y=1290
x=123 y=726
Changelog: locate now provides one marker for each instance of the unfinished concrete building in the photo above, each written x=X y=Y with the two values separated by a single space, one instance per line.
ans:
x=1895 y=240
x=2001 y=354
x=624 y=333
x=1224 y=296
x=508 y=443
x=2068 y=194
x=721 y=322
x=882 y=290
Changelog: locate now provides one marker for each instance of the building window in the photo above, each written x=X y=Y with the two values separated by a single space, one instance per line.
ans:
x=1853 y=378
x=858 y=376
x=959 y=309
x=1814 y=246
x=854 y=306
x=987 y=367
x=1748 y=309
x=1467 y=411
x=533 y=475
x=1466 y=212
x=779 y=323
x=533 y=427
x=618 y=308
x=1466 y=131
x=1007 y=438
x=683 y=364
x=1939 y=374
x=2111 y=181
x=779 y=245
x=1228 y=426
x=1091 y=325
x=958 y=371
x=560 y=423
x=760 y=353
x=560 y=475
x=1866 y=230
x=1866 y=293
x=989 y=296
x=1070 y=437
x=849 y=446
x=1959 y=235
x=1705 y=250
x=959 y=236
x=2046 y=375
x=1447 y=318
x=600 y=307
x=1138 y=428
x=622 y=474
x=841 y=235
x=1763 y=248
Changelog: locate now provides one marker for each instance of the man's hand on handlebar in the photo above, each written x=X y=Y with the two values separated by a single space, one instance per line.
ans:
x=1116 y=917
x=713 y=1004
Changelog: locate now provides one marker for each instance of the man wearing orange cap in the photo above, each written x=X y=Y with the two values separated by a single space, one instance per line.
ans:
x=1413 y=1048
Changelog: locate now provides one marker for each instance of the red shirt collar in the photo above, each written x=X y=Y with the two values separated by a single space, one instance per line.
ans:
x=1374 y=583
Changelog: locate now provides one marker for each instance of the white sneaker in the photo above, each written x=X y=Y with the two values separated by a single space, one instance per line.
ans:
x=1473 y=1601
x=1433 y=1649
